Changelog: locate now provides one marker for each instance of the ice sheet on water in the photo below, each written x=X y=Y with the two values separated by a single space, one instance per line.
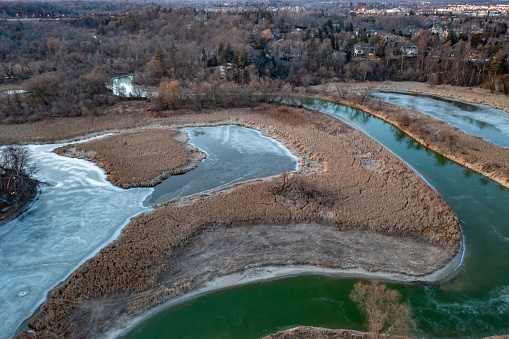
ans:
x=480 y=120
x=234 y=154
x=74 y=216
x=244 y=140
x=459 y=314
x=122 y=85
x=79 y=212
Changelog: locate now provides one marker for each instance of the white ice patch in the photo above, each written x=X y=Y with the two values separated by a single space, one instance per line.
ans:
x=123 y=86
x=14 y=91
x=74 y=216
x=480 y=120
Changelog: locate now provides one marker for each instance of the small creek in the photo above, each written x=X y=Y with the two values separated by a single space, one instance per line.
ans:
x=79 y=212
x=474 y=303
x=480 y=120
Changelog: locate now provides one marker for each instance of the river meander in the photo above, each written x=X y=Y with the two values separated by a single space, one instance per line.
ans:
x=474 y=303
x=480 y=120
x=78 y=212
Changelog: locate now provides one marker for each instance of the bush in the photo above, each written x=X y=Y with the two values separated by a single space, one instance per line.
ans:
x=16 y=170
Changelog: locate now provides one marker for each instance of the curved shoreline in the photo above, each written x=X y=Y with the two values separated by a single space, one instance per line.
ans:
x=331 y=155
x=391 y=115
x=269 y=273
x=170 y=154
x=474 y=95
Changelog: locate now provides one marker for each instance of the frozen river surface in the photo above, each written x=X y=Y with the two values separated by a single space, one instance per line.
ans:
x=79 y=212
x=480 y=120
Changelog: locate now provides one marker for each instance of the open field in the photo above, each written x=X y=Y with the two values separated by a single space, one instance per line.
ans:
x=141 y=158
x=470 y=151
x=347 y=182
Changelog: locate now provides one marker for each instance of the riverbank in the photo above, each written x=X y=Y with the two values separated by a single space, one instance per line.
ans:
x=140 y=158
x=347 y=241
x=350 y=183
x=474 y=95
x=472 y=152
x=9 y=211
x=310 y=332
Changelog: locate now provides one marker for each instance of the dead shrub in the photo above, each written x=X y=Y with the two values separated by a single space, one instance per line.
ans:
x=403 y=120
x=489 y=166
x=471 y=157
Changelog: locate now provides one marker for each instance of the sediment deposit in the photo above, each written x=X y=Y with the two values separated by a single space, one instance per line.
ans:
x=140 y=158
x=346 y=182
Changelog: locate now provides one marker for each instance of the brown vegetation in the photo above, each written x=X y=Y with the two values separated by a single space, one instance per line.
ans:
x=64 y=64
x=308 y=332
x=386 y=197
x=383 y=309
x=470 y=151
x=17 y=185
x=141 y=158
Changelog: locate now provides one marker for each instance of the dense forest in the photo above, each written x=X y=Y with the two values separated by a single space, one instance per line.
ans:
x=207 y=58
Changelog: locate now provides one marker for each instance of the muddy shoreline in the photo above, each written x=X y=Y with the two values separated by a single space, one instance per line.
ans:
x=310 y=332
x=267 y=273
x=347 y=174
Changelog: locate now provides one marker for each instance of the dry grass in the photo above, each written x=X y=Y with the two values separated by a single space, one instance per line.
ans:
x=389 y=199
x=141 y=158
x=308 y=332
x=120 y=116
x=470 y=151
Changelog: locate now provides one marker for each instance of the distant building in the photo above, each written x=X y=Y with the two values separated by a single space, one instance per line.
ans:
x=360 y=51
x=409 y=51
x=437 y=29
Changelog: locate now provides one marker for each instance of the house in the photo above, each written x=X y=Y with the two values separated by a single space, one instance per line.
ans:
x=360 y=51
x=409 y=51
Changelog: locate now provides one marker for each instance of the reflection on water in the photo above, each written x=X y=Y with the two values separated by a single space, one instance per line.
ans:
x=474 y=304
x=479 y=120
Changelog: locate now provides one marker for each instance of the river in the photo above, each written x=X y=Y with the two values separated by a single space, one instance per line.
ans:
x=480 y=120
x=78 y=212
x=474 y=303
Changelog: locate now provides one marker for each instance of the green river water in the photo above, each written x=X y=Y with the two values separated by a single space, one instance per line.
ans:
x=474 y=303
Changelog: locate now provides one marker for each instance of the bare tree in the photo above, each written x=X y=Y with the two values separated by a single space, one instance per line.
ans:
x=16 y=171
x=385 y=313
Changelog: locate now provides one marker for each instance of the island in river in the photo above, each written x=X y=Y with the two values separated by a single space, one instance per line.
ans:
x=141 y=158
x=352 y=205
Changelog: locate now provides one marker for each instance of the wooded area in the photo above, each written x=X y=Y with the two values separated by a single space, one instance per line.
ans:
x=207 y=58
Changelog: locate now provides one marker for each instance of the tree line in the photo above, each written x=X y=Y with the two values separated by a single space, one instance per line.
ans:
x=63 y=65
